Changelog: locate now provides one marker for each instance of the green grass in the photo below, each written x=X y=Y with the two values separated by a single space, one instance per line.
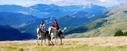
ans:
x=71 y=47
x=9 y=49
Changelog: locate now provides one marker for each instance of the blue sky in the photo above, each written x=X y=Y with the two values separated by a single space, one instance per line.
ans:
x=27 y=3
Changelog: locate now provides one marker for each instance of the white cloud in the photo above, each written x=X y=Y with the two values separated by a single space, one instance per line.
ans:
x=61 y=2
x=102 y=0
x=106 y=1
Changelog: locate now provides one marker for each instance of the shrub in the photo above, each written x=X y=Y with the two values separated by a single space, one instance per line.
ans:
x=125 y=33
x=119 y=33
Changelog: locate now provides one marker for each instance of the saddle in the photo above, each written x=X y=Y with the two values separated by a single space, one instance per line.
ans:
x=41 y=30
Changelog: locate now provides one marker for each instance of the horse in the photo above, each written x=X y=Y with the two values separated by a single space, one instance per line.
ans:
x=55 y=34
x=42 y=36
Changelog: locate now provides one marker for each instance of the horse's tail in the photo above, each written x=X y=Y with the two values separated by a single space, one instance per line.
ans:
x=37 y=30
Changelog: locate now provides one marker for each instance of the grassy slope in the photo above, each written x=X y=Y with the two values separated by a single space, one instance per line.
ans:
x=74 y=44
x=117 y=20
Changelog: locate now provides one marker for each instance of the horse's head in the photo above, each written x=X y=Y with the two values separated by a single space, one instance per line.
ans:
x=65 y=28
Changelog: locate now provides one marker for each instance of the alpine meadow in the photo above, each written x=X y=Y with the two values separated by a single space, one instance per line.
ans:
x=63 y=25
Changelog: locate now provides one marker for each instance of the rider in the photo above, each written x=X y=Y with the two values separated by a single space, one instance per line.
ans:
x=42 y=26
x=55 y=25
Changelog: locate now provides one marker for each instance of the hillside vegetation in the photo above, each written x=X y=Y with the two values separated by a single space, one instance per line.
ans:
x=117 y=20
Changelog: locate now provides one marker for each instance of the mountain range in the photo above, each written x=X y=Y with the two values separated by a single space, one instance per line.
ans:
x=27 y=19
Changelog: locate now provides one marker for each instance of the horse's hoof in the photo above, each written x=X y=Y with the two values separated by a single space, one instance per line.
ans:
x=50 y=44
x=61 y=44
x=38 y=44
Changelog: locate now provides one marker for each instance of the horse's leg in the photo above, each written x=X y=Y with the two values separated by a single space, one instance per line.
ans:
x=60 y=41
x=51 y=41
x=61 y=36
x=56 y=37
x=41 y=42
x=37 y=41
x=56 y=40
x=48 y=39
x=52 y=36
x=44 y=41
x=48 y=42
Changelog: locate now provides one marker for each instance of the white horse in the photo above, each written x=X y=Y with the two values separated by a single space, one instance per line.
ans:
x=55 y=34
x=42 y=35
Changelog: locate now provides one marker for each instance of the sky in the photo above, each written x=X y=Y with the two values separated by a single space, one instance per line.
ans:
x=27 y=3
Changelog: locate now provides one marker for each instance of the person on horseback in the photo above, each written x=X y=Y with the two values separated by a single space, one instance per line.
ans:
x=42 y=26
x=41 y=32
x=55 y=25
x=56 y=32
